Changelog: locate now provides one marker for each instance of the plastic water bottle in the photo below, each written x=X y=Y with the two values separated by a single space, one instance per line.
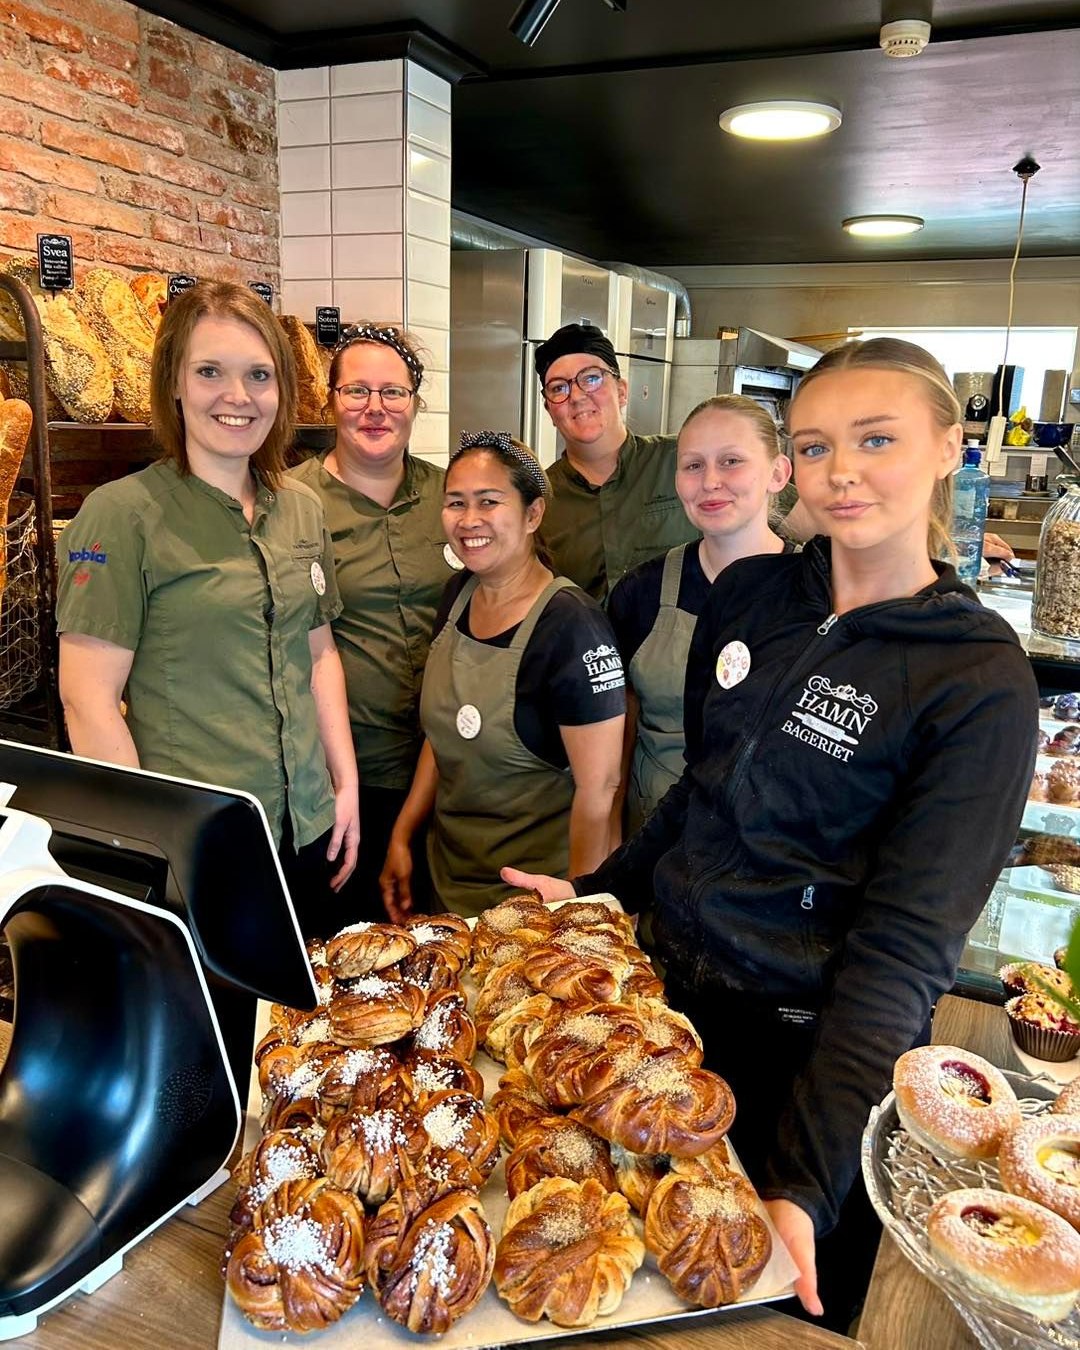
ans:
x=971 y=497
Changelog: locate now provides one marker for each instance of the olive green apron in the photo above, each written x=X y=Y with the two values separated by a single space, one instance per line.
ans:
x=657 y=675
x=497 y=804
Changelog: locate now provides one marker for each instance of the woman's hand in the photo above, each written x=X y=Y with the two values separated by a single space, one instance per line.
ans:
x=550 y=888
x=346 y=835
x=796 y=1228
x=395 y=880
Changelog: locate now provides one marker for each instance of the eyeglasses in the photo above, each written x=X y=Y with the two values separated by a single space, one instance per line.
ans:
x=394 y=397
x=588 y=381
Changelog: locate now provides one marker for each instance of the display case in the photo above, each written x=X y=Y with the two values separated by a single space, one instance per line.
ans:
x=1032 y=909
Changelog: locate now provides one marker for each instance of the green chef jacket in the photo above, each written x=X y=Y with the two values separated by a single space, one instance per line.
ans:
x=596 y=533
x=391 y=570
x=217 y=613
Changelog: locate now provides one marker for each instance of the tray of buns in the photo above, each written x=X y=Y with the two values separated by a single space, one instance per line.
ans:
x=445 y=1249
x=953 y=1171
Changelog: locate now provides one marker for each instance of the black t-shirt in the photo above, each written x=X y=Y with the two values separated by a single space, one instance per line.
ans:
x=635 y=602
x=565 y=678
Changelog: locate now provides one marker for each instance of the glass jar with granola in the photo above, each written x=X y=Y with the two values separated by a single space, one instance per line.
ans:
x=1055 y=611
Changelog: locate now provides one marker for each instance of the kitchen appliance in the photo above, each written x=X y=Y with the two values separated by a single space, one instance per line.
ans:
x=1005 y=391
x=644 y=337
x=740 y=361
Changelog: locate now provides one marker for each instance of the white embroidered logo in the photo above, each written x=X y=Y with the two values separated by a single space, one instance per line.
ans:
x=604 y=667
x=830 y=717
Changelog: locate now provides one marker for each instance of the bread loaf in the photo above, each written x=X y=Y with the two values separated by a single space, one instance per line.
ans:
x=151 y=290
x=311 y=377
x=15 y=422
x=109 y=307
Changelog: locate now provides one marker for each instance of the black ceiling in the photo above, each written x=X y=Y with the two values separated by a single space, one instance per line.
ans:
x=603 y=137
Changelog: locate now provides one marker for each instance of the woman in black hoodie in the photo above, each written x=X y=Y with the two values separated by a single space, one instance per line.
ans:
x=859 y=737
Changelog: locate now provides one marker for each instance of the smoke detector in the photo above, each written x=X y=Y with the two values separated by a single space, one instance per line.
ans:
x=906 y=37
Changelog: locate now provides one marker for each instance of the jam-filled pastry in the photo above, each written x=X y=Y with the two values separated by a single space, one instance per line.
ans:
x=363 y=948
x=447 y=934
x=1040 y=1160
x=1010 y=1248
x=556 y=1147
x=516 y=1104
x=280 y=1156
x=577 y=965
x=376 y=1011
x=524 y=917
x=564 y=1051
x=568 y=1252
x=708 y=1237
x=953 y=1102
x=372 y=1153
x=429 y=1267
x=504 y=986
x=463 y=1139
x=301 y=1264
x=361 y=1080
x=658 y=1103
x=447 y=1028
x=511 y=1032
x=431 y=1073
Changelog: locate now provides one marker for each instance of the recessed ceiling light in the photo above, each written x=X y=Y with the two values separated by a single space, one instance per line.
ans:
x=780 y=120
x=882 y=227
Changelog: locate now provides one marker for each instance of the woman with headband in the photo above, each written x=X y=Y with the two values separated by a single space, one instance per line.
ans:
x=522 y=703
x=384 y=513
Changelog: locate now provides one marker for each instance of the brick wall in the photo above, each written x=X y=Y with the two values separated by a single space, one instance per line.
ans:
x=152 y=147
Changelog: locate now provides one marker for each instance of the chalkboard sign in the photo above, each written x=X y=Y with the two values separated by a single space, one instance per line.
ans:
x=327 y=325
x=179 y=282
x=264 y=289
x=56 y=262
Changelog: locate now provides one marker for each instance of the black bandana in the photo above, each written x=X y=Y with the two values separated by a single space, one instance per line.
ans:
x=503 y=441
x=574 y=338
x=389 y=337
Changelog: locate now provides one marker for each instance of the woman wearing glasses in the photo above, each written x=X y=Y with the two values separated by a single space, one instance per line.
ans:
x=383 y=510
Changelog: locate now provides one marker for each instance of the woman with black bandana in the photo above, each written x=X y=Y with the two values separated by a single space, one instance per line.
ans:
x=523 y=699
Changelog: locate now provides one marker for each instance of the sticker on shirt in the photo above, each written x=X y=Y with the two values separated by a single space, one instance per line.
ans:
x=452 y=559
x=318 y=578
x=732 y=665
x=830 y=718
x=468 y=722
x=604 y=667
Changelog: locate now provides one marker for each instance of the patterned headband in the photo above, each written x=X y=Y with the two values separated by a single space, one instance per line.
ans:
x=389 y=337
x=503 y=441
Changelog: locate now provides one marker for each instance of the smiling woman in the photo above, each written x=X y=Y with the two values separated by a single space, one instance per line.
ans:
x=208 y=613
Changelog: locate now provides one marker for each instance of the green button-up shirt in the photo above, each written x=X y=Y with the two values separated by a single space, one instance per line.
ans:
x=596 y=533
x=217 y=613
x=391 y=570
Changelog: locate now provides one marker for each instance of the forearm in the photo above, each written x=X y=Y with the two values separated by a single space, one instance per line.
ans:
x=100 y=732
x=332 y=717
x=420 y=802
x=593 y=830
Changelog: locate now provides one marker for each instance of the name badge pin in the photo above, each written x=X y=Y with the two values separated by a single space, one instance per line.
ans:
x=468 y=722
x=732 y=665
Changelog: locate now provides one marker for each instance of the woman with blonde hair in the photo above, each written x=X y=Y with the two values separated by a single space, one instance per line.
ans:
x=853 y=714
x=206 y=603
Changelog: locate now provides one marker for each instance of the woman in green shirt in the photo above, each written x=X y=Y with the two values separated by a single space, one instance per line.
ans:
x=200 y=592
x=384 y=512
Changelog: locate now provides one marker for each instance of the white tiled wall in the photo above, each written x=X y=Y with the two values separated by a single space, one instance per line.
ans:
x=365 y=208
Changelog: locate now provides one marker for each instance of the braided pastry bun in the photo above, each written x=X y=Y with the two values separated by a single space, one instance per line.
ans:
x=568 y=1252
x=556 y=1147
x=504 y=986
x=363 y=948
x=524 y=917
x=642 y=981
x=511 y=1033
x=594 y=916
x=430 y=970
x=430 y=1073
x=376 y=1011
x=293 y=1076
x=301 y=1265
x=302 y=1029
x=563 y=1054
x=428 y=1268
x=279 y=1156
x=361 y=1080
x=501 y=952
x=372 y=1153
x=448 y=934
x=663 y=1026
x=447 y=1029
x=709 y=1240
x=517 y=1103
x=658 y=1104
x=580 y=966
x=637 y=1174
x=463 y=1140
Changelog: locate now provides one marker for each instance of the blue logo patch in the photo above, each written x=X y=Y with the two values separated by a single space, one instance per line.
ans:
x=92 y=554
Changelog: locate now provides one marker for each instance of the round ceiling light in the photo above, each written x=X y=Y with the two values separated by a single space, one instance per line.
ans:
x=780 y=120
x=882 y=227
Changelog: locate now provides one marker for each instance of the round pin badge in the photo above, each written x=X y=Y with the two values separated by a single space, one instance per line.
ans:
x=468 y=722
x=452 y=559
x=318 y=578
x=732 y=665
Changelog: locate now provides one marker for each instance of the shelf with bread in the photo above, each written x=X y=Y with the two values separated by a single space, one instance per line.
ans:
x=374 y=1205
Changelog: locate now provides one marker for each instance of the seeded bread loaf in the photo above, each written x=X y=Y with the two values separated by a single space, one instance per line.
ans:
x=107 y=304
x=310 y=375
x=15 y=422
x=151 y=290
